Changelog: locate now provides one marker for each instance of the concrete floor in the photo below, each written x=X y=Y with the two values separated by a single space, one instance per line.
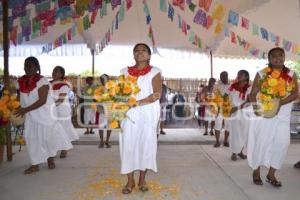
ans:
x=187 y=172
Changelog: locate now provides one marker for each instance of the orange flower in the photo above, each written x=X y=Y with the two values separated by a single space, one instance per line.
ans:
x=114 y=124
x=132 y=79
x=267 y=69
x=127 y=89
x=132 y=101
x=112 y=92
x=15 y=104
x=275 y=74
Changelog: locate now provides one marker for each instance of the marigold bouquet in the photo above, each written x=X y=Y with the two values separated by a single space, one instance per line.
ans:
x=118 y=97
x=8 y=105
x=220 y=104
x=274 y=85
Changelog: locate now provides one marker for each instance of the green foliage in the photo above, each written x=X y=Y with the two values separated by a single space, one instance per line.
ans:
x=1 y=71
x=72 y=74
x=89 y=73
x=295 y=66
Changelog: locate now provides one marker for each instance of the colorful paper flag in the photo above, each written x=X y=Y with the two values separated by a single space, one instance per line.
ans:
x=245 y=23
x=219 y=12
x=233 y=18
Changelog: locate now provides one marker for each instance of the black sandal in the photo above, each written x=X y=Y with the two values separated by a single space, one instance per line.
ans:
x=127 y=190
x=143 y=188
x=257 y=180
x=273 y=182
x=242 y=156
x=107 y=145
x=297 y=165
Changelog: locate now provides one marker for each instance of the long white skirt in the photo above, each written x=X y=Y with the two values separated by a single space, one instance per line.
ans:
x=239 y=130
x=65 y=119
x=269 y=140
x=138 y=141
x=44 y=141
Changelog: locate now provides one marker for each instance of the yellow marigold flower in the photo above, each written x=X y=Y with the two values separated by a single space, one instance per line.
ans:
x=112 y=92
x=121 y=78
x=6 y=92
x=114 y=124
x=124 y=107
x=267 y=69
x=272 y=82
x=89 y=91
x=267 y=106
x=117 y=89
x=14 y=97
x=110 y=84
x=132 y=101
x=275 y=74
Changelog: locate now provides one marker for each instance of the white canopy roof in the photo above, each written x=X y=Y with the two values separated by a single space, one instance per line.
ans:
x=282 y=18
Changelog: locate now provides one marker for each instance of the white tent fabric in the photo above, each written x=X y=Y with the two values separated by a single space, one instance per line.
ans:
x=280 y=17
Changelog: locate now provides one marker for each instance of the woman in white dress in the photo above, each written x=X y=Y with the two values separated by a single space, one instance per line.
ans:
x=238 y=93
x=102 y=120
x=60 y=91
x=43 y=133
x=269 y=138
x=138 y=141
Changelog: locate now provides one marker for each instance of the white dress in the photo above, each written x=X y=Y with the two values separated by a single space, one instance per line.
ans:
x=223 y=88
x=43 y=133
x=269 y=138
x=239 y=128
x=64 y=113
x=138 y=142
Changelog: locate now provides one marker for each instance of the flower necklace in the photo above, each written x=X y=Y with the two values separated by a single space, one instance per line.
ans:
x=134 y=71
x=28 y=83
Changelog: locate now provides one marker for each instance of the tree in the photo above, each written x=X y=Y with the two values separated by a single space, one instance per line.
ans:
x=295 y=66
x=89 y=73
x=72 y=74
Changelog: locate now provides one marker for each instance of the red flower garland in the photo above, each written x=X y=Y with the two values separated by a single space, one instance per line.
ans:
x=28 y=83
x=242 y=90
x=58 y=85
x=134 y=71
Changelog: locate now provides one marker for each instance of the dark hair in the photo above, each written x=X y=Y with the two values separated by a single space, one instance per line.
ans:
x=35 y=62
x=284 y=69
x=89 y=78
x=61 y=69
x=143 y=44
x=102 y=78
x=246 y=73
x=275 y=49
